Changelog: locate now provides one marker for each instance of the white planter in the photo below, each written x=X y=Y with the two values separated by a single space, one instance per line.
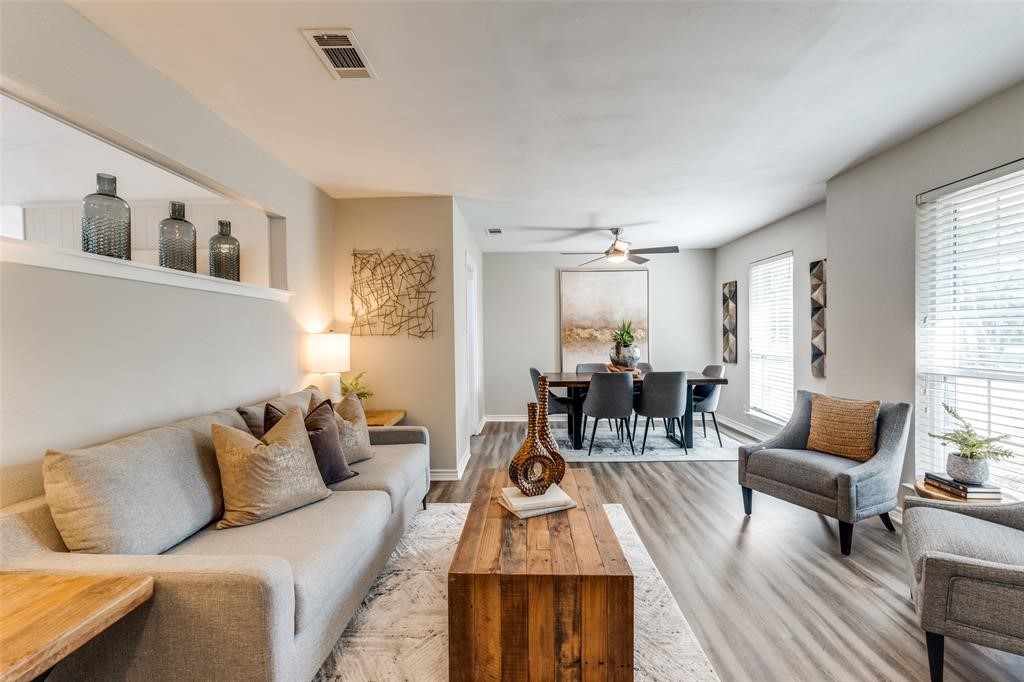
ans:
x=973 y=471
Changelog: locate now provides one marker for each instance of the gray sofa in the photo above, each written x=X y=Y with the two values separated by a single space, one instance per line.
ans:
x=844 y=489
x=966 y=564
x=261 y=602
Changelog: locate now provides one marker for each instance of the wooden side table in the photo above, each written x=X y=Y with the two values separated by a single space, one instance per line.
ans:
x=44 y=618
x=934 y=493
x=384 y=417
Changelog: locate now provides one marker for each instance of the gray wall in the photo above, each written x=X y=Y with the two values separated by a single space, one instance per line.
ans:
x=803 y=233
x=870 y=218
x=521 y=319
x=86 y=358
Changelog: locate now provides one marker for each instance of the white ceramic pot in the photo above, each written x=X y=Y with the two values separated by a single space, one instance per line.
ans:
x=973 y=471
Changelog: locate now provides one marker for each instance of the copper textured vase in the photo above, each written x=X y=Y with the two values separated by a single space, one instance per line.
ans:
x=538 y=462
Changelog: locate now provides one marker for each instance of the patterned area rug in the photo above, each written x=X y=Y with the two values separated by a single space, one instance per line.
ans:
x=400 y=631
x=608 y=447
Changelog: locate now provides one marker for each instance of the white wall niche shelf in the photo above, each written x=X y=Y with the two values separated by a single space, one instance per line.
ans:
x=20 y=252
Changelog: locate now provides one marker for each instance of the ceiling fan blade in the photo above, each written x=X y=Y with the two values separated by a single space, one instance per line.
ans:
x=582 y=253
x=641 y=224
x=601 y=257
x=552 y=228
x=638 y=260
x=657 y=249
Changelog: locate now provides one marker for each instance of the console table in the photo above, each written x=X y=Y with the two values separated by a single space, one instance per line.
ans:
x=384 y=417
x=43 y=618
x=550 y=597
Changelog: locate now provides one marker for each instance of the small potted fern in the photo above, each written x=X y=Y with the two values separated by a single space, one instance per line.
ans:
x=624 y=353
x=355 y=385
x=969 y=464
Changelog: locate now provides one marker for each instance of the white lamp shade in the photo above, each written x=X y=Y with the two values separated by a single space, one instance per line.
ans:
x=328 y=353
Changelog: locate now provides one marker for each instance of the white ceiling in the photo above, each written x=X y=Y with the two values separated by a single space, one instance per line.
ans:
x=710 y=118
x=43 y=160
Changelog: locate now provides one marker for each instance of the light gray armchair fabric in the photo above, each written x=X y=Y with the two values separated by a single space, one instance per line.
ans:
x=844 y=489
x=966 y=569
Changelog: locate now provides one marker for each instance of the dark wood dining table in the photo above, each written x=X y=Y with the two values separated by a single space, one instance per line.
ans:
x=577 y=383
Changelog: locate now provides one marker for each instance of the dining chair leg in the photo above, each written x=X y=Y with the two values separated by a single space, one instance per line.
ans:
x=717 y=432
x=630 y=435
x=593 y=434
x=704 y=424
x=647 y=425
x=635 y=416
x=584 y=425
x=682 y=439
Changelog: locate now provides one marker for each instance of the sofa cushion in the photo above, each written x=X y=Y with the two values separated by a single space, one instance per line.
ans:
x=935 y=530
x=807 y=470
x=135 y=495
x=261 y=478
x=253 y=414
x=329 y=545
x=394 y=469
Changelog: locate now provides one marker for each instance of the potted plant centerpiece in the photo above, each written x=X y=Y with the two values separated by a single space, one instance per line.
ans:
x=624 y=353
x=969 y=464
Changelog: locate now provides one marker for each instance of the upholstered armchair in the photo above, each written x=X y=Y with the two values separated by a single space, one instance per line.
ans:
x=844 y=489
x=966 y=565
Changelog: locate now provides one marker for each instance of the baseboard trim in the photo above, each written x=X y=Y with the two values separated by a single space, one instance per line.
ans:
x=746 y=430
x=519 y=418
x=453 y=474
x=480 y=426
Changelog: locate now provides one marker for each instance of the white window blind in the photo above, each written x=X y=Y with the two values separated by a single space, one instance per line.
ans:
x=771 y=337
x=970 y=319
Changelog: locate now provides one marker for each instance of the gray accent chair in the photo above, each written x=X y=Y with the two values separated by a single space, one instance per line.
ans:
x=610 y=396
x=705 y=399
x=841 y=488
x=663 y=396
x=966 y=564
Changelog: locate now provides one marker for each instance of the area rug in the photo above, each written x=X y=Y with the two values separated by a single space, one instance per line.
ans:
x=608 y=447
x=400 y=631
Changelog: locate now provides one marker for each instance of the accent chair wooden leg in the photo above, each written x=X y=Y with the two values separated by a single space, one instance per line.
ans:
x=887 y=522
x=647 y=425
x=593 y=433
x=936 y=650
x=424 y=501
x=845 y=537
x=717 y=432
x=748 y=496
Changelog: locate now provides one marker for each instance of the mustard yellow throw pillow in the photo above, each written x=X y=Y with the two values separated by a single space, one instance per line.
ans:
x=846 y=428
x=261 y=478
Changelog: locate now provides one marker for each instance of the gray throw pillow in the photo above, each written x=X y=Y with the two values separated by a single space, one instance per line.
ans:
x=253 y=414
x=352 y=428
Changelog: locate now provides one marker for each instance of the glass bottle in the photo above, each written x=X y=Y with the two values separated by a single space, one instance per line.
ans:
x=177 y=240
x=106 y=221
x=224 y=256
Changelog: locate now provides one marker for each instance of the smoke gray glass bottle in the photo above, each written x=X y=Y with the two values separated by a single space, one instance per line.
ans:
x=224 y=253
x=177 y=240
x=106 y=221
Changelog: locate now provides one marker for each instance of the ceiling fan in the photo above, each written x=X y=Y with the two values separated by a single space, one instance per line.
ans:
x=620 y=251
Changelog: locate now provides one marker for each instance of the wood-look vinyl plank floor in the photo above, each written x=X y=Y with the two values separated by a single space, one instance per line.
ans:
x=769 y=597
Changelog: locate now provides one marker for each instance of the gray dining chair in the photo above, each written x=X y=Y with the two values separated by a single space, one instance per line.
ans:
x=705 y=399
x=610 y=396
x=556 y=403
x=662 y=396
x=645 y=367
x=592 y=368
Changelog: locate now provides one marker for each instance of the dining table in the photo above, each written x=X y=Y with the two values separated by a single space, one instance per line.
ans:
x=577 y=383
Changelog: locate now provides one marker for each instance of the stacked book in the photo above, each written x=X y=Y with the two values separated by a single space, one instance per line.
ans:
x=967 y=491
x=553 y=499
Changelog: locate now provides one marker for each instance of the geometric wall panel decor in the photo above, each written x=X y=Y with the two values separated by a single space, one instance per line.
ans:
x=392 y=294
x=818 y=305
x=729 y=349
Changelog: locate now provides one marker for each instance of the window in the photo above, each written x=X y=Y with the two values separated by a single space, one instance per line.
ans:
x=771 y=337
x=970 y=318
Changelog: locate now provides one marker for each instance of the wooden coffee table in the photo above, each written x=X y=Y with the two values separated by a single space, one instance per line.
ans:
x=544 y=598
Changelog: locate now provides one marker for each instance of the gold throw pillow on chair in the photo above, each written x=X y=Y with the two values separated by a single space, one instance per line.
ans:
x=261 y=478
x=846 y=428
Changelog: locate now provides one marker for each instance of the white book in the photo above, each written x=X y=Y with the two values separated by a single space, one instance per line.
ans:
x=552 y=497
x=535 y=512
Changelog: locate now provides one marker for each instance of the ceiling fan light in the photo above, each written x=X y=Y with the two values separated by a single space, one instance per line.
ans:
x=617 y=257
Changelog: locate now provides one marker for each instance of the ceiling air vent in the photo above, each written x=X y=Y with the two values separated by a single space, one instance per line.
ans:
x=339 y=51
x=493 y=230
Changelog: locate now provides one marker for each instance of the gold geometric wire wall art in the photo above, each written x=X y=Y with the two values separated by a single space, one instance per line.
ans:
x=392 y=293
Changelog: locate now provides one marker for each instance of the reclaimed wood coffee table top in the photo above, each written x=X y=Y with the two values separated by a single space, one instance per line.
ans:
x=578 y=541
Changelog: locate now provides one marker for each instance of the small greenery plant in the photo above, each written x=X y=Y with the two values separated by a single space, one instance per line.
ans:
x=355 y=385
x=624 y=335
x=968 y=443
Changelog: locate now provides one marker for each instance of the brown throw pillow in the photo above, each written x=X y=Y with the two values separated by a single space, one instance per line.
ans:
x=355 y=435
x=322 y=428
x=267 y=477
x=846 y=428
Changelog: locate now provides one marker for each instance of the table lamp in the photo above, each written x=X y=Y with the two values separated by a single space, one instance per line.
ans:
x=329 y=354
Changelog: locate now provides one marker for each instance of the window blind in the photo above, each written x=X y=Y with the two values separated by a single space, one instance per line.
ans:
x=970 y=319
x=771 y=337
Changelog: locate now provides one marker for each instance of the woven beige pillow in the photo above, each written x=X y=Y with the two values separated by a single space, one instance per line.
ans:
x=846 y=428
x=264 y=478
